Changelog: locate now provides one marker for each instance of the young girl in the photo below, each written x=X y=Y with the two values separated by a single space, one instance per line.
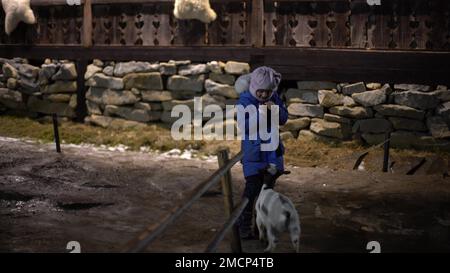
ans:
x=263 y=85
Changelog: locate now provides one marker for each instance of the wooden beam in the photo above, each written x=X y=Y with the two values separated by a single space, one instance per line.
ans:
x=340 y=65
x=257 y=23
x=87 y=23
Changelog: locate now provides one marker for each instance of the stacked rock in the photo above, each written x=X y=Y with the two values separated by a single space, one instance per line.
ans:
x=414 y=114
x=45 y=90
x=134 y=93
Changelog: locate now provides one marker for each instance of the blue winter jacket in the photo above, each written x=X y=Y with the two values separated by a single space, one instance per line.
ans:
x=254 y=159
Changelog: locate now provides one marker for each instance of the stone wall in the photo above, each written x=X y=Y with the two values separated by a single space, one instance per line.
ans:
x=38 y=91
x=129 y=94
x=416 y=115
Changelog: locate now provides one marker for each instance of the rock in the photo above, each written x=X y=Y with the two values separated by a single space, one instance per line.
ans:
x=133 y=114
x=101 y=121
x=118 y=123
x=308 y=136
x=9 y=71
x=444 y=111
x=62 y=98
x=330 y=129
x=41 y=106
x=357 y=112
x=182 y=83
x=91 y=70
x=167 y=118
x=60 y=87
x=295 y=124
x=167 y=69
x=442 y=95
x=124 y=68
x=305 y=110
x=349 y=102
x=27 y=86
x=108 y=70
x=351 y=89
x=237 y=68
x=101 y=80
x=373 y=85
x=11 y=83
x=406 y=139
x=329 y=98
x=97 y=62
x=208 y=99
x=316 y=85
x=412 y=87
x=180 y=62
x=66 y=72
x=438 y=127
x=155 y=106
x=93 y=108
x=336 y=118
x=373 y=139
x=193 y=69
x=27 y=71
x=215 y=67
x=286 y=135
x=374 y=126
x=210 y=132
x=222 y=78
x=301 y=96
x=113 y=97
x=46 y=73
x=11 y=99
x=407 y=124
x=184 y=95
x=95 y=94
x=214 y=88
x=156 y=95
x=399 y=111
x=370 y=98
x=416 y=99
x=73 y=101
x=114 y=123
x=143 y=106
x=10 y=95
x=146 y=81
x=441 y=87
x=168 y=105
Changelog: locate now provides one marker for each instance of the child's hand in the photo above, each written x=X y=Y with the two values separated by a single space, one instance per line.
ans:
x=269 y=104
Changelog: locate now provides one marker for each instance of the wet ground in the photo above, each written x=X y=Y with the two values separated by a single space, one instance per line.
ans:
x=104 y=198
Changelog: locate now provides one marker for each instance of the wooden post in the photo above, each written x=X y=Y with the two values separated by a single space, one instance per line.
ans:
x=386 y=151
x=56 y=133
x=81 y=111
x=257 y=23
x=87 y=24
x=227 y=189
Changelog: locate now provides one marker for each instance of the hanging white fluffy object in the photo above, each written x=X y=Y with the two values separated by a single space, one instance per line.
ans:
x=194 y=9
x=15 y=12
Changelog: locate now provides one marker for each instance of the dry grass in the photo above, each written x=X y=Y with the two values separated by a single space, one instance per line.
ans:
x=157 y=137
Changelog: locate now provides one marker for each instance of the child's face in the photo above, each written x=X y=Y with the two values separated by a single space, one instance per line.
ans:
x=263 y=94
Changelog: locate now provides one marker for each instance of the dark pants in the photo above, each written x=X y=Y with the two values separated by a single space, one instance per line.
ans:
x=253 y=185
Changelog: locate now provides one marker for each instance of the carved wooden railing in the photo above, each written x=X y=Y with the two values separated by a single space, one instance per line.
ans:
x=396 y=24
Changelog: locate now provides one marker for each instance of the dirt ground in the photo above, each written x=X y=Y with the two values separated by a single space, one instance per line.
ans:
x=103 y=199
